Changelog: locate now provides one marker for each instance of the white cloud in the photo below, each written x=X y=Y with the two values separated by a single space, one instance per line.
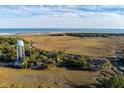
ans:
x=62 y=16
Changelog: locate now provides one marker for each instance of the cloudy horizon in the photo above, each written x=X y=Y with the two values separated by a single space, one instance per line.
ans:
x=58 y=16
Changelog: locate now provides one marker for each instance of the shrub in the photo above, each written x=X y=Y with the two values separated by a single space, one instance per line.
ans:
x=99 y=64
x=26 y=62
x=51 y=67
x=113 y=82
x=51 y=60
x=42 y=86
x=105 y=66
x=74 y=61
x=42 y=58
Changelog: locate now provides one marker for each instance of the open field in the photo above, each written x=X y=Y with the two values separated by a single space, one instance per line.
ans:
x=90 y=46
x=57 y=76
x=47 y=78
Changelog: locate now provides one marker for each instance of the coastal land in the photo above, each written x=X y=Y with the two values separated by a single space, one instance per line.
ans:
x=89 y=46
x=92 y=46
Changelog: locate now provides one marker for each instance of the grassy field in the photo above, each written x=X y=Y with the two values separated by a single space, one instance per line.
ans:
x=60 y=77
x=90 y=46
x=47 y=78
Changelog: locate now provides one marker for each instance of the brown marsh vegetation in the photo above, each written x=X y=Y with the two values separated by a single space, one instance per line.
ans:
x=90 y=46
x=62 y=77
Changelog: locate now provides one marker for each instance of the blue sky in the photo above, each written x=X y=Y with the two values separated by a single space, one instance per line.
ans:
x=61 y=16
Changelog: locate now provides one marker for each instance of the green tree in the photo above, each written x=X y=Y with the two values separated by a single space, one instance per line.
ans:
x=26 y=62
x=1 y=54
x=113 y=82
x=106 y=65
x=42 y=58
x=59 y=56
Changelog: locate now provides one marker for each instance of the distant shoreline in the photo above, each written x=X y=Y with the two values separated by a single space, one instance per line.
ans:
x=52 y=33
x=35 y=33
x=24 y=31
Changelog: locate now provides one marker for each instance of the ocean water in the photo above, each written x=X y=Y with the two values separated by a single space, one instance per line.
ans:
x=47 y=30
